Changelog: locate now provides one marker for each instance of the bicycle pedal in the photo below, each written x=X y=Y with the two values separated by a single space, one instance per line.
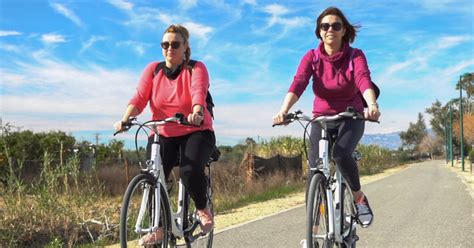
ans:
x=356 y=238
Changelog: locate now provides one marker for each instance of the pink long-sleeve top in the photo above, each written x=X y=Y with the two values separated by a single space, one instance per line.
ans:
x=168 y=96
x=335 y=86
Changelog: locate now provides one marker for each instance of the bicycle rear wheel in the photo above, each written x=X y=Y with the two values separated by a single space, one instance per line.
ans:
x=317 y=227
x=141 y=190
x=204 y=241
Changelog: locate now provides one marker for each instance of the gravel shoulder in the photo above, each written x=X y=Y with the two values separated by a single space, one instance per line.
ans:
x=466 y=176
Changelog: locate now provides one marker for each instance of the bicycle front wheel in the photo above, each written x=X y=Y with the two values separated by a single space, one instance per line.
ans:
x=317 y=227
x=139 y=209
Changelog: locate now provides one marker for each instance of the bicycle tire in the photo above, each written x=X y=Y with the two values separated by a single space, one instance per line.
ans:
x=347 y=220
x=206 y=240
x=130 y=208
x=317 y=218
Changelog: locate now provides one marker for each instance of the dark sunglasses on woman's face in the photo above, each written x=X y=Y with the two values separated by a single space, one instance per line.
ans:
x=174 y=44
x=335 y=26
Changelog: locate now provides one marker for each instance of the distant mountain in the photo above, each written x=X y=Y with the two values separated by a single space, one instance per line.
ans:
x=390 y=141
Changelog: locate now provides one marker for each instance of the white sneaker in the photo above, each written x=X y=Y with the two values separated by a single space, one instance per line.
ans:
x=364 y=213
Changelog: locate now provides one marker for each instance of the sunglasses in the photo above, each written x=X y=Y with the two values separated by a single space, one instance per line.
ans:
x=335 y=26
x=174 y=44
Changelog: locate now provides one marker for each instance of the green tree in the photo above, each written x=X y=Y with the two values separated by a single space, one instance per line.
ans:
x=412 y=138
x=467 y=82
x=438 y=118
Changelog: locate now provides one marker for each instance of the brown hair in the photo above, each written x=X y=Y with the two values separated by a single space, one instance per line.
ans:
x=351 y=30
x=179 y=29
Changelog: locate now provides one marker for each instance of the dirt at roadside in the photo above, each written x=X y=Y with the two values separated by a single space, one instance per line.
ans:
x=466 y=175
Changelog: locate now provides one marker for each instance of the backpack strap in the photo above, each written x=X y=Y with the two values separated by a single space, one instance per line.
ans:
x=162 y=65
x=315 y=58
x=158 y=68
x=209 y=102
x=351 y=60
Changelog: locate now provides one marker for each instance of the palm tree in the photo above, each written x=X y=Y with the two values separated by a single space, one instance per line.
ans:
x=467 y=82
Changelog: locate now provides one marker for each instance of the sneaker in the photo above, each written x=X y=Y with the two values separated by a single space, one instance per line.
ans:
x=152 y=238
x=206 y=218
x=364 y=212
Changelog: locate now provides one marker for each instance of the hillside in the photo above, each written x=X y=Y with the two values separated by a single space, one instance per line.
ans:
x=390 y=140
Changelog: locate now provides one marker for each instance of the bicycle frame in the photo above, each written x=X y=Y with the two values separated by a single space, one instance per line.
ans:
x=334 y=183
x=333 y=187
x=155 y=167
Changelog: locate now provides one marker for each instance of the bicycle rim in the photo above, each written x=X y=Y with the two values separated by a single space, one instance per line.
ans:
x=134 y=195
x=317 y=227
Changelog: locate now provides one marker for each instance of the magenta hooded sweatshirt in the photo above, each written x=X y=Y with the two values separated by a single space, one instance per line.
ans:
x=335 y=85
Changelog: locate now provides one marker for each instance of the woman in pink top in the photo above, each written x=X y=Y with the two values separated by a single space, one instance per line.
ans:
x=178 y=88
x=340 y=74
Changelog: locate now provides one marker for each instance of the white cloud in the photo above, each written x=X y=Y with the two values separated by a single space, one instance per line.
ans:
x=451 y=41
x=136 y=46
x=420 y=58
x=277 y=12
x=166 y=19
x=439 y=5
x=86 y=98
x=10 y=48
x=187 y=4
x=52 y=38
x=8 y=33
x=88 y=44
x=69 y=14
x=250 y=2
x=122 y=4
x=198 y=30
x=275 y=9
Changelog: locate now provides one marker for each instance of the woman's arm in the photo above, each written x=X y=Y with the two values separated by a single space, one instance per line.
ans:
x=290 y=99
x=131 y=111
x=373 y=112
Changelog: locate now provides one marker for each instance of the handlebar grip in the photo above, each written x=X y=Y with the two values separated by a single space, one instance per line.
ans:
x=288 y=119
x=184 y=121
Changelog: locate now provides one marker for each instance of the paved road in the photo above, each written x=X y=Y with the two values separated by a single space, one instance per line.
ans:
x=425 y=205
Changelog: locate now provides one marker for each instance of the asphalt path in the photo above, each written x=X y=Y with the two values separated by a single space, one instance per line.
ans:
x=425 y=205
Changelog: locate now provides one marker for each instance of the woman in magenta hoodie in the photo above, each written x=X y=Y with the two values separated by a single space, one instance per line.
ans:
x=340 y=75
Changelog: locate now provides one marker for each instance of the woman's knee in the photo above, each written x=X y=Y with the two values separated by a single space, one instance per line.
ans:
x=342 y=155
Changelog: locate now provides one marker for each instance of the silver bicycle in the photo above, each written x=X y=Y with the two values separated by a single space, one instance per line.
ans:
x=146 y=204
x=331 y=215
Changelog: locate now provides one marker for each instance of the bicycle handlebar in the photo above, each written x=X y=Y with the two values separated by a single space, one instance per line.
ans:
x=132 y=121
x=298 y=115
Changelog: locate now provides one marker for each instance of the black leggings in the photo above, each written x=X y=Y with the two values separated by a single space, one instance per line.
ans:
x=348 y=133
x=191 y=152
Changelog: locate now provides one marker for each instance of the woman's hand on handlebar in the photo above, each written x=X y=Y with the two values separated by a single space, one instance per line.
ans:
x=279 y=117
x=372 y=112
x=195 y=118
x=118 y=126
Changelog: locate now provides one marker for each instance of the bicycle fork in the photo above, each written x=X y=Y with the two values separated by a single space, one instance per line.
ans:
x=324 y=155
x=155 y=208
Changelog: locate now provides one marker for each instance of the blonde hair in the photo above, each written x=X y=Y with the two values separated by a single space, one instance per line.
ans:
x=179 y=29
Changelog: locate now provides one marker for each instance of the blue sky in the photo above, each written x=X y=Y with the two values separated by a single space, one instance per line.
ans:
x=73 y=65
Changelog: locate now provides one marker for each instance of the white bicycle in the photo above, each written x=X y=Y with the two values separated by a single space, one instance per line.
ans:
x=331 y=215
x=146 y=204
